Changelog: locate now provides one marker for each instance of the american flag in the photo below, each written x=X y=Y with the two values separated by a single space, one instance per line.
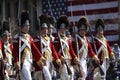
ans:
x=93 y=9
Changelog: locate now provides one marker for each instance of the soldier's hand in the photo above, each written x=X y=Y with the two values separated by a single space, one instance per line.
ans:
x=63 y=59
x=17 y=66
x=113 y=59
x=43 y=61
x=97 y=61
x=41 y=64
x=77 y=62
x=59 y=63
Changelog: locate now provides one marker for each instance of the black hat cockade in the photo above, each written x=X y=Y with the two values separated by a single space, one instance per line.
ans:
x=63 y=22
x=99 y=25
x=83 y=23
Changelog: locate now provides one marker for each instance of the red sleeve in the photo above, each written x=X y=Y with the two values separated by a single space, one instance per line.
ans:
x=0 y=44
x=72 y=53
x=57 y=46
x=2 y=49
x=35 y=51
x=91 y=53
x=54 y=53
x=111 y=54
x=15 y=50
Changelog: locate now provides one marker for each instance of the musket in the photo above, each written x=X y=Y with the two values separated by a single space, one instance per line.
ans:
x=77 y=47
x=92 y=37
x=19 y=59
x=68 y=69
x=94 y=45
x=41 y=50
x=38 y=20
x=62 y=52
x=10 y=30
x=76 y=41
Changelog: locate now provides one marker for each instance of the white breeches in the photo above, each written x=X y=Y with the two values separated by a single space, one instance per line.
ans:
x=83 y=68
x=104 y=67
x=44 y=73
x=26 y=72
x=64 y=73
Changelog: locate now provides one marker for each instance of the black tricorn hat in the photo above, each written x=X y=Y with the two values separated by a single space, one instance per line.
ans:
x=99 y=23
x=83 y=23
x=43 y=21
x=63 y=22
x=51 y=21
x=24 y=18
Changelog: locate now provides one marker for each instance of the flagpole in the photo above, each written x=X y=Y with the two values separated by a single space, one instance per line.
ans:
x=51 y=11
x=119 y=20
x=85 y=10
x=76 y=41
x=3 y=11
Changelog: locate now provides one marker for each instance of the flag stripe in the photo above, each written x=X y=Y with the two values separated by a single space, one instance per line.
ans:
x=92 y=6
x=95 y=11
x=113 y=37
x=106 y=21
x=107 y=27
x=96 y=16
x=80 y=2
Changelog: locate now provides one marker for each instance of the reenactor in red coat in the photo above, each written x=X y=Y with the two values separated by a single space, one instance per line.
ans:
x=51 y=24
x=102 y=47
x=8 y=52
x=51 y=35
x=45 y=45
x=82 y=46
x=24 y=49
x=63 y=46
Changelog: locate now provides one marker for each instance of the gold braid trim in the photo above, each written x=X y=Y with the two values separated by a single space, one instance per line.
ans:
x=25 y=51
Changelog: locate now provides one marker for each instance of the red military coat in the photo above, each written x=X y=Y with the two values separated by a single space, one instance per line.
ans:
x=103 y=48
x=43 y=44
x=90 y=51
x=35 y=53
x=71 y=53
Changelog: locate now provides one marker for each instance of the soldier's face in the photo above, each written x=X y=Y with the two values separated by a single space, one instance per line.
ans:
x=62 y=30
x=50 y=30
x=100 y=32
x=6 y=38
x=25 y=28
x=44 y=31
x=82 y=32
